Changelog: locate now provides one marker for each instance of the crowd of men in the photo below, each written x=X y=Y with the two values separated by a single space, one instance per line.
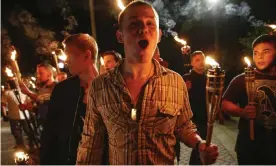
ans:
x=138 y=110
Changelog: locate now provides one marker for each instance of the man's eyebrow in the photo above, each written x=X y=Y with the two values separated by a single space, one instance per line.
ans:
x=266 y=49
x=135 y=17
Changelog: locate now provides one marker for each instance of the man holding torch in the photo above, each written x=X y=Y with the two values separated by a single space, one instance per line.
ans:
x=262 y=149
x=196 y=85
x=140 y=107
x=46 y=85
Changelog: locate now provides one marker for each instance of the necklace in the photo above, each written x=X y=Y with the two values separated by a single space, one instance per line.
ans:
x=134 y=109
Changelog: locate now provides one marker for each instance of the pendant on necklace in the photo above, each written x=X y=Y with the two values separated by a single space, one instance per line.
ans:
x=133 y=114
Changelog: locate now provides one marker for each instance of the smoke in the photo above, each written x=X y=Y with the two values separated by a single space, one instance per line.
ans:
x=66 y=13
x=6 y=45
x=199 y=9
x=44 y=39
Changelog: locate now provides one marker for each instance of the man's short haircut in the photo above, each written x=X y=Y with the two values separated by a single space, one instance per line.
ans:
x=117 y=56
x=196 y=53
x=265 y=39
x=46 y=66
x=133 y=4
x=83 y=42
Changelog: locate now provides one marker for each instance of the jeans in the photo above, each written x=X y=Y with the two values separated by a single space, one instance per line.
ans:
x=16 y=129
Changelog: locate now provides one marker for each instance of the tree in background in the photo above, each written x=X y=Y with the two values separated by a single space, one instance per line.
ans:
x=251 y=36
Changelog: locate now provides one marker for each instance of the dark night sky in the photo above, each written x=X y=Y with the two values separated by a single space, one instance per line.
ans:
x=200 y=36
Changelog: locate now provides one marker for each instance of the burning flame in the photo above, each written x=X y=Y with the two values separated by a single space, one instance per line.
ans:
x=13 y=55
x=20 y=156
x=33 y=85
x=120 y=4
x=53 y=52
x=2 y=87
x=102 y=61
x=9 y=72
x=272 y=26
x=61 y=65
x=183 y=42
x=63 y=56
x=247 y=61
x=211 y=62
x=33 y=78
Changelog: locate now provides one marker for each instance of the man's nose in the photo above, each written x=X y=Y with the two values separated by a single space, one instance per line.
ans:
x=260 y=56
x=143 y=28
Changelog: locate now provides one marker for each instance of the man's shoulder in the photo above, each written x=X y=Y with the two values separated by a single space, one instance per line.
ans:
x=186 y=75
x=68 y=83
x=172 y=75
x=239 y=78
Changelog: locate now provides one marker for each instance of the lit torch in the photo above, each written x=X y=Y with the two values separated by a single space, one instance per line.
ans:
x=120 y=4
x=185 y=48
x=15 y=65
x=9 y=72
x=249 y=81
x=62 y=56
x=102 y=61
x=21 y=158
x=214 y=89
x=56 y=61
x=272 y=26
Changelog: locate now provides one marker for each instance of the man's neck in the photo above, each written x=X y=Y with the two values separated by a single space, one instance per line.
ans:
x=49 y=82
x=137 y=71
x=269 y=71
x=198 y=71
x=87 y=76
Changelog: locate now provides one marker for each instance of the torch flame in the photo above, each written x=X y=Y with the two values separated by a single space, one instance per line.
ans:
x=33 y=85
x=102 y=61
x=13 y=55
x=9 y=72
x=272 y=26
x=33 y=78
x=63 y=56
x=61 y=65
x=247 y=61
x=211 y=62
x=21 y=156
x=120 y=4
x=183 y=42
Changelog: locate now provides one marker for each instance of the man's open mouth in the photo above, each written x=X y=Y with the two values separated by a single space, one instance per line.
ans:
x=143 y=44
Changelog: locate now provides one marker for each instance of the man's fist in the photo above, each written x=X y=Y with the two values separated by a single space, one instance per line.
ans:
x=27 y=106
x=208 y=155
x=249 y=112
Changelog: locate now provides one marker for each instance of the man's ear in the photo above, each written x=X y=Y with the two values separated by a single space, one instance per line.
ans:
x=87 y=55
x=119 y=36
x=160 y=35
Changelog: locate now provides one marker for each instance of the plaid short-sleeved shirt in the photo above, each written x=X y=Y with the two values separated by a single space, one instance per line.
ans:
x=163 y=116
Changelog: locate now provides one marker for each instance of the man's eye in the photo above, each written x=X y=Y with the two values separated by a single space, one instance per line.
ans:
x=150 y=24
x=134 y=24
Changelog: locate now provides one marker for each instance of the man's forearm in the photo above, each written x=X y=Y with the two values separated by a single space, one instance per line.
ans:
x=231 y=108
x=188 y=134
x=32 y=95
x=193 y=139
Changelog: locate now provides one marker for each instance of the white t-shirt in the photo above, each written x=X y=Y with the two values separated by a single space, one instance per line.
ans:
x=12 y=104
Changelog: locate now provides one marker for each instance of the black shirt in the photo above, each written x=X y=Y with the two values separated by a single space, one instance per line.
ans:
x=265 y=89
x=197 y=96
x=77 y=128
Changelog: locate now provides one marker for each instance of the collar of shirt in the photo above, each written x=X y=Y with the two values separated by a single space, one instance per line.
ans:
x=116 y=77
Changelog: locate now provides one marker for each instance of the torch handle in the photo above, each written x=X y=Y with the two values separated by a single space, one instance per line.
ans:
x=209 y=134
x=56 y=63
x=251 y=123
